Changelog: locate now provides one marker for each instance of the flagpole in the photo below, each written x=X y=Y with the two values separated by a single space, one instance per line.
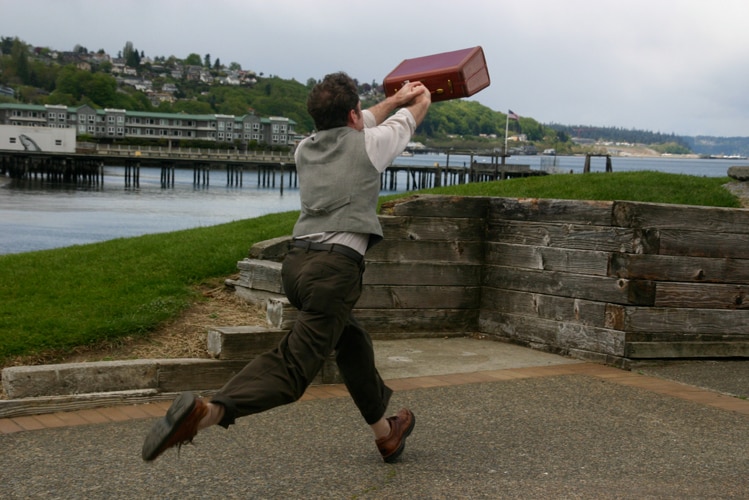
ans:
x=507 y=128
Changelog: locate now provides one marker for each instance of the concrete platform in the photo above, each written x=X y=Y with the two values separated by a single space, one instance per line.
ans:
x=493 y=421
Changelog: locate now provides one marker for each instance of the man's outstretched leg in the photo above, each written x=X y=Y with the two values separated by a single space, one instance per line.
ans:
x=356 y=362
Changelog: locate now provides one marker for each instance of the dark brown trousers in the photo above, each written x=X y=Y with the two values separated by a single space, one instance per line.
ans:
x=324 y=286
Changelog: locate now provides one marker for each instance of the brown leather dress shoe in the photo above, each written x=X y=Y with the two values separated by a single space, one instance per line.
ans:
x=401 y=425
x=177 y=427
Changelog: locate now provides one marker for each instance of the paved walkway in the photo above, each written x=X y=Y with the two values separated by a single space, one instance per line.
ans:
x=535 y=426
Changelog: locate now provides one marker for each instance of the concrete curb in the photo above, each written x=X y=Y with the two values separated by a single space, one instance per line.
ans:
x=49 y=388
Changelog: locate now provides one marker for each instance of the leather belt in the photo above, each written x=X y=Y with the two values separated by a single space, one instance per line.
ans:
x=328 y=247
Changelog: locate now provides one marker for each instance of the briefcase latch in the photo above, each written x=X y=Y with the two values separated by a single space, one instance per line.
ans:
x=442 y=91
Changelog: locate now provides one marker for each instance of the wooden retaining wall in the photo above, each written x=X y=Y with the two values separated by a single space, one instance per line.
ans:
x=611 y=281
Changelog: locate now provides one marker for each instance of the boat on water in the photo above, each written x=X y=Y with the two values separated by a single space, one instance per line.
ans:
x=727 y=157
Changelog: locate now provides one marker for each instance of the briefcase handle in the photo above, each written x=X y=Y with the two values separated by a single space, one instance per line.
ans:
x=437 y=91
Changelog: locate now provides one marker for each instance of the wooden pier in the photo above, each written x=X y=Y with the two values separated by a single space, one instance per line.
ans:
x=273 y=169
x=424 y=177
x=86 y=166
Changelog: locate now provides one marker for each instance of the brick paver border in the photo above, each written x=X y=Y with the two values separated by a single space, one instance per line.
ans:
x=613 y=375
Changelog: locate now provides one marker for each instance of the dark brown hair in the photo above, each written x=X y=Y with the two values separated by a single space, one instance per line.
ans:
x=330 y=101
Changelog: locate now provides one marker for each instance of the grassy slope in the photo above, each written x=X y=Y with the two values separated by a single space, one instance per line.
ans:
x=58 y=299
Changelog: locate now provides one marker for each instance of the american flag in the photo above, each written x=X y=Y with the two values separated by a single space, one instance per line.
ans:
x=512 y=116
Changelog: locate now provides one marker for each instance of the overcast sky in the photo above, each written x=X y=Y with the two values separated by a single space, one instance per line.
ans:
x=678 y=66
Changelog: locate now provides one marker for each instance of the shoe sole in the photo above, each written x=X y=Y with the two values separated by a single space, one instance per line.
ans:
x=167 y=426
x=397 y=453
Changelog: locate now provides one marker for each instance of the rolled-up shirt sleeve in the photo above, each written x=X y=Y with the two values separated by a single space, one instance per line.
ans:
x=384 y=142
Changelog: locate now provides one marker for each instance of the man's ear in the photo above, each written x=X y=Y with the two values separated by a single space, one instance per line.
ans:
x=352 y=117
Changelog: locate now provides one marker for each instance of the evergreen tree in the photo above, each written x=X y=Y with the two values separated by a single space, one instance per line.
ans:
x=20 y=57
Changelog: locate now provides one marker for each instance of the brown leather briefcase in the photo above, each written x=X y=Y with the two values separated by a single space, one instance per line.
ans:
x=449 y=75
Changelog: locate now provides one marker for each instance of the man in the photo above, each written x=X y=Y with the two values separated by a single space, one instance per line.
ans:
x=339 y=176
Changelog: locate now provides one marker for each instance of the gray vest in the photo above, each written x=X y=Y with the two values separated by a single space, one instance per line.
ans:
x=338 y=185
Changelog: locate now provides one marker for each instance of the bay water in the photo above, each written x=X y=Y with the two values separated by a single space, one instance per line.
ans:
x=37 y=216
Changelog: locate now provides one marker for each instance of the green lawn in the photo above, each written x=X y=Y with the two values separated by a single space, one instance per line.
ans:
x=63 y=298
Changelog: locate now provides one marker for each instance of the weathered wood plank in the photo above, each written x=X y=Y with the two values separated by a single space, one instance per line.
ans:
x=548 y=258
x=573 y=236
x=684 y=337
x=679 y=268
x=544 y=306
x=418 y=320
x=594 y=288
x=403 y=228
x=390 y=297
x=422 y=273
x=550 y=210
x=694 y=218
x=419 y=297
x=704 y=244
x=281 y=314
x=197 y=376
x=422 y=205
x=663 y=350
x=252 y=296
x=680 y=321
x=701 y=295
x=470 y=252
x=557 y=334
x=274 y=249
x=260 y=275
x=98 y=376
x=242 y=342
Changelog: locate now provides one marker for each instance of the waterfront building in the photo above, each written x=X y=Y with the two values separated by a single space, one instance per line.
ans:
x=120 y=124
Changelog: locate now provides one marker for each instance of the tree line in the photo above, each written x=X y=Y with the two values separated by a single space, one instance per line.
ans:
x=39 y=79
x=619 y=134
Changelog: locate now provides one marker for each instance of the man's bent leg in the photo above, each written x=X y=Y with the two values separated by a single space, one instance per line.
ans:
x=325 y=287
